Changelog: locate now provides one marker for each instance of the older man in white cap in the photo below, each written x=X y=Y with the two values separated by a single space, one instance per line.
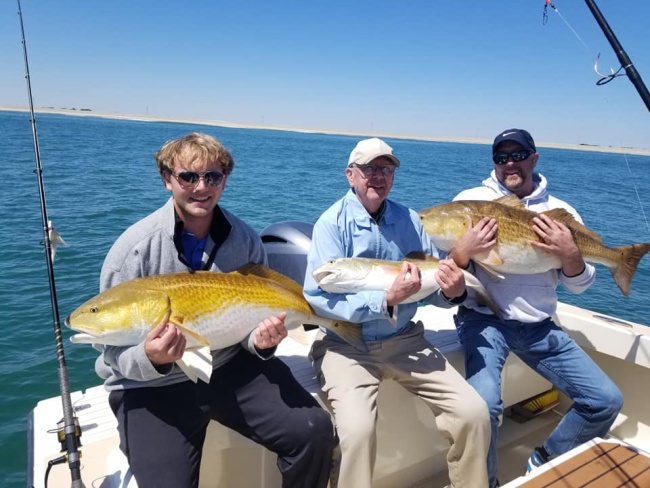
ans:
x=365 y=223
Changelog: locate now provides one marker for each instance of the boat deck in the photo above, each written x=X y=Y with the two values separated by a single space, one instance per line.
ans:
x=596 y=464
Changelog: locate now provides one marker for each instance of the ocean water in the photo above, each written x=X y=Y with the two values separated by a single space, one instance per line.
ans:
x=99 y=176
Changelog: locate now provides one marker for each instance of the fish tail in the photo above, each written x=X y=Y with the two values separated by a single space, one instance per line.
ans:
x=627 y=264
x=483 y=298
x=481 y=295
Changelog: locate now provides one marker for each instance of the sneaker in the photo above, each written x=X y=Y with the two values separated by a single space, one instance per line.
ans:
x=536 y=459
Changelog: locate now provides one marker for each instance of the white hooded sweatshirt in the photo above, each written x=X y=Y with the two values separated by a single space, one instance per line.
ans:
x=533 y=297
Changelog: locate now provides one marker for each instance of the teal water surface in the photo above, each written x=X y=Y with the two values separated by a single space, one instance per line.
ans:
x=99 y=177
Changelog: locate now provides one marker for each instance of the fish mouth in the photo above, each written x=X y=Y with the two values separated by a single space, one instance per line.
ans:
x=83 y=338
x=82 y=331
x=322 y=276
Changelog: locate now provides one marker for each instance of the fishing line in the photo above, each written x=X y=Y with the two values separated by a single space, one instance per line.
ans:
x=603 y=77
x=636 y=190
x=68 y=431
x=626 y=64
x=624 y=60
x=566 y=22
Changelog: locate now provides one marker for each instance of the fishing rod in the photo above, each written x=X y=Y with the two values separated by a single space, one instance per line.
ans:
x=69 y=435
x=623 y=58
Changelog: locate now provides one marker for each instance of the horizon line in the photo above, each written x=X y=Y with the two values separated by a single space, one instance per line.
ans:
x=85 y=112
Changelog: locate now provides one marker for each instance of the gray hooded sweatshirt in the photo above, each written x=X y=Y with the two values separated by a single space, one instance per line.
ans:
x=148 y=248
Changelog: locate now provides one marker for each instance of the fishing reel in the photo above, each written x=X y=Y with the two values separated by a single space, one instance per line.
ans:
x=61 y=436
x=60 y=433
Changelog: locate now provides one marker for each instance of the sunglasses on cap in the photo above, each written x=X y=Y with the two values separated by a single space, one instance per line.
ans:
x=189 y=179
x=516 y=156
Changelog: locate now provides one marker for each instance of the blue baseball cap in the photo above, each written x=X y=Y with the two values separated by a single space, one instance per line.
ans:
x=520 y=136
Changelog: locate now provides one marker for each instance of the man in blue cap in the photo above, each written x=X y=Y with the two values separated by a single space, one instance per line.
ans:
x=528 y=303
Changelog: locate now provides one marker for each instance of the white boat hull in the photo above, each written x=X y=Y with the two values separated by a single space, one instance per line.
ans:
x=410 y=450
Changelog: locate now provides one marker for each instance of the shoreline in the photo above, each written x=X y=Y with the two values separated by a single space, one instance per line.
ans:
x=218 y=123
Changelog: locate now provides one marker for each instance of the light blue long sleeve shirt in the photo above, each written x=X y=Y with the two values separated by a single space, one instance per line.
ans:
x=347 y=230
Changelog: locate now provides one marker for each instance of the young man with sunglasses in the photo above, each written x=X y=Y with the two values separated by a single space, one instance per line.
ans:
x=162 y=415
x=527 y=303
x=365 y=223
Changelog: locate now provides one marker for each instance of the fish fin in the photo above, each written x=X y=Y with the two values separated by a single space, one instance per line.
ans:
x=560 y=214
x=267 y=273
x=491 y=258
x=194 y=338
x=624 y=271
x=493 y=273
x=54 y=236
x=510 y=201
x=55 y=240
x=196 y=364
x=564 y=216
x=299 y=335
x=256 y=270
x=417 y=256
x=350 y=333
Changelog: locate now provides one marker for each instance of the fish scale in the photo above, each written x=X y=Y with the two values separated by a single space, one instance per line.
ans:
x=212 y=309
x=513 y=252
x=351 y=275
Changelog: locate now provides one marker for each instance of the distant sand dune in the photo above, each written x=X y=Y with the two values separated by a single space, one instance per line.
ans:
x=84 y=112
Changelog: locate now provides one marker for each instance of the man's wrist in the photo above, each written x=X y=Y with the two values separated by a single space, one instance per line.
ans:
x=456 y=300
x=459 y=258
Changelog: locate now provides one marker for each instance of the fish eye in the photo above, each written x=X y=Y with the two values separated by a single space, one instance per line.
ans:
x=94 y=309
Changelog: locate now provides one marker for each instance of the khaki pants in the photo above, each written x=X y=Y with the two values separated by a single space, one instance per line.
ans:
x=351 y=378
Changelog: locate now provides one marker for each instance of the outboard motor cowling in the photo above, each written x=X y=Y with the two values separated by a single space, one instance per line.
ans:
x=287 y=244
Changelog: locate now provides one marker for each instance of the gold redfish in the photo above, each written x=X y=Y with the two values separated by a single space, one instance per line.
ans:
x=514 y=252
x=214 y=311
x=350 y=275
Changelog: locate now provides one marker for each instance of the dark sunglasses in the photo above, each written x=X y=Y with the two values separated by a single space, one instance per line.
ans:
x=189 y=179
x=516 y=156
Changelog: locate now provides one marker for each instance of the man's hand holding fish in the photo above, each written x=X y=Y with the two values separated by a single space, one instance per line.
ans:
x=556 y=238
x=407 y=283
x=165 y=344
x=270 y=332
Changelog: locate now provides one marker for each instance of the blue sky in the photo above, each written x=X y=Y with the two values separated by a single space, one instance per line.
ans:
x=428 y=68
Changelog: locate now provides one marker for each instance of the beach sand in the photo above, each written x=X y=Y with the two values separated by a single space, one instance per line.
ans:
x=218 y=123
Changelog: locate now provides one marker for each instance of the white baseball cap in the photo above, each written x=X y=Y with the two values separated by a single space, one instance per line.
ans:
x=368 y=150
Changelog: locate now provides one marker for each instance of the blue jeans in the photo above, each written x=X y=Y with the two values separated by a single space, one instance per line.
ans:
x=550 y=351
